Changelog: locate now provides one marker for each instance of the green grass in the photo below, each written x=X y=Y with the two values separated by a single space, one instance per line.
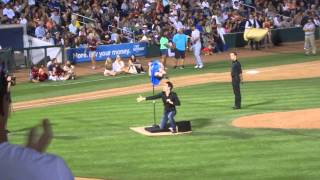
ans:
x=95 y=140
x=29 y=91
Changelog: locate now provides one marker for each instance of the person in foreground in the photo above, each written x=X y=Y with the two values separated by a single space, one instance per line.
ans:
x=236 y=75
x=30 y=162
x=170 y=101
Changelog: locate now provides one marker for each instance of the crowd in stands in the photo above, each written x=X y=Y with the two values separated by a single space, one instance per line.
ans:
x=110 y=21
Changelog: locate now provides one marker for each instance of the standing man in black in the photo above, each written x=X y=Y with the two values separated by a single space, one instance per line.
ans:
x=236 y=75
x=170 y=101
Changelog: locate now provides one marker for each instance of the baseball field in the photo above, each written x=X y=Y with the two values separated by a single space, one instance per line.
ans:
x=91 y=119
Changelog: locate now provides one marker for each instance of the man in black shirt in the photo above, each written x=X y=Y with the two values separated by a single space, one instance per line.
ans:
x=236 y=75
x=170 y=101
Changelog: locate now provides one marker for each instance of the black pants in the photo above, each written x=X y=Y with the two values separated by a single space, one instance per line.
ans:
x=236 y=91
x=256 y=44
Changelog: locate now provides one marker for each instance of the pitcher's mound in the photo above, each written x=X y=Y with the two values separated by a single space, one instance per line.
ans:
x=300 y=119
x=141 y=130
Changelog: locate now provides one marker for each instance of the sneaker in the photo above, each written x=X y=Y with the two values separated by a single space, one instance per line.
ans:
x=181 y=67
x=236 y=108
x=200 y=67
x=196 y=66
x=172 y=130
x=174 y=67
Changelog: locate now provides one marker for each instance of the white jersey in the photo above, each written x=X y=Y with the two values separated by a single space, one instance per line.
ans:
x=195 y=35
x=18 y=163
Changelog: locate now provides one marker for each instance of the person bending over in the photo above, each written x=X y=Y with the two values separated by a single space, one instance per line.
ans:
x=170 y=101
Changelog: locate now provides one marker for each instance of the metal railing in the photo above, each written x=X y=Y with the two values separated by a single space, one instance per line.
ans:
x=129 y=34
x=85 y=19
x=29 y=49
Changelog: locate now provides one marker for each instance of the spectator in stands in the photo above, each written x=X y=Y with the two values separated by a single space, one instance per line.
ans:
x=108 y=68
x=155 y=15
x=30 y=162
x=40 y=31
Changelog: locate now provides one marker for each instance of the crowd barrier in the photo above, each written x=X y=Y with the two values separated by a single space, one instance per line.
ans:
x=78 y=55
x=234 y=40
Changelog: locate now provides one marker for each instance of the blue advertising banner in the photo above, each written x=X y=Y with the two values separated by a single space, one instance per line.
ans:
x=102 y=52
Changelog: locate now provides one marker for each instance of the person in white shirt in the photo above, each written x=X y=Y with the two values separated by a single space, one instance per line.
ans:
x=23 y=20
x=30 y=162
x=5 y=1
x=309 y=40
x=7 y=11
x=73 y=28
x=118 y=65
x=205 y=4
x=31 y=2
x=40 y=31
x=196 y=47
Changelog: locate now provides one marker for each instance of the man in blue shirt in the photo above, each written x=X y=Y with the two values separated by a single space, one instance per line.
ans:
x=180 y=43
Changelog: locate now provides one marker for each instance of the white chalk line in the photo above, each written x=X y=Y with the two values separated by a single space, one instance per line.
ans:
x=63 y=83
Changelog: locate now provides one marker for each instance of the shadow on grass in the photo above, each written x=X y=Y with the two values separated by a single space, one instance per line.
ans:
x=200 y=123
x=270 y=101
x=226 y=133
x=298 y=132
x=28 y=128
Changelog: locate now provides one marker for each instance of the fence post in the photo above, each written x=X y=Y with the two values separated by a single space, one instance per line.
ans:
x=45 y=54
x=63 y=53
x=28 y=58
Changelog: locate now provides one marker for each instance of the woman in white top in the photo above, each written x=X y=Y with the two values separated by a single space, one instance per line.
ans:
x=118 y=65
x=108 y=68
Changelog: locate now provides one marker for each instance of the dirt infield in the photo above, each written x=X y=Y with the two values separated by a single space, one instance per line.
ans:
x=300 y=119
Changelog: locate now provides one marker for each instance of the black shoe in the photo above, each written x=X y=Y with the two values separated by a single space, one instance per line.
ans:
x=235 y=107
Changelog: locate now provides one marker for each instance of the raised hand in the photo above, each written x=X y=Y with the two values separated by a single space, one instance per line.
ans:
x=140 y=98
x=42 y=141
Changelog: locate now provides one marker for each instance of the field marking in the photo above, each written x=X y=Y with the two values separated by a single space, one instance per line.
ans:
x=64 y=83
x=252 y=72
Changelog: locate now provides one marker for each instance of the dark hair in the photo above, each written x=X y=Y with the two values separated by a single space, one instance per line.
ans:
x=235 y=53
x=170 y=85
